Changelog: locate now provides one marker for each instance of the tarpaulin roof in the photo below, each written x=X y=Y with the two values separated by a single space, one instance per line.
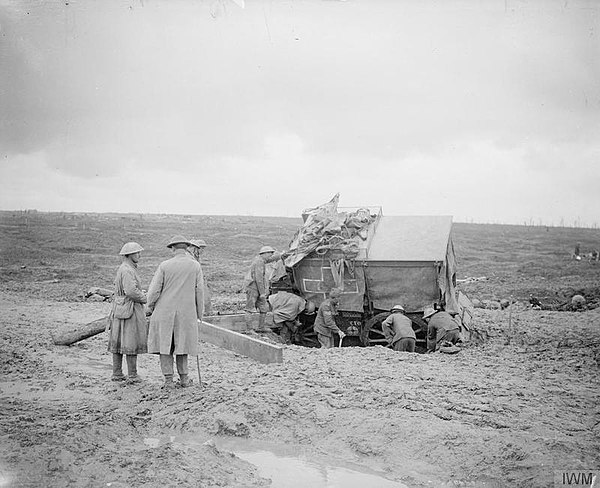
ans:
x=410 y=238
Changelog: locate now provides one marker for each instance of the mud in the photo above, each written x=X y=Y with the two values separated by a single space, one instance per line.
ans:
x=509 y=411
x=516 y=405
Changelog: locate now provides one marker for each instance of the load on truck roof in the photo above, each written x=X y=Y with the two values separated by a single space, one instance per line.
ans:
x=376 y=260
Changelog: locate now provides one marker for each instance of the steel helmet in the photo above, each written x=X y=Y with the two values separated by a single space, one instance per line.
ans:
x=130 y=248
x=398 y=308
x=428 y=312
x=310 y=307
x=266 y=249
x=198 y=243
x=178 y=239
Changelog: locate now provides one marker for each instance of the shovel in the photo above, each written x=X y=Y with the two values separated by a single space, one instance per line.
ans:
x=341 y=339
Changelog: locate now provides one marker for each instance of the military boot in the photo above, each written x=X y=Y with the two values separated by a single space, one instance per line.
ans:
x=168 y=385
x=262 y=317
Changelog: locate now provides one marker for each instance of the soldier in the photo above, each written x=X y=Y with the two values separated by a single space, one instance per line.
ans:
x=325 y=325
x=398 y=330
x=196 y=250
x=286 y=309
x=257 y=285
x=128 y=332
x=442 y=327
x=175 y=301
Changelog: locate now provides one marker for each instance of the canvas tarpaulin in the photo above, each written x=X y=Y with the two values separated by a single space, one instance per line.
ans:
x=447 y=279
x=326 y=231
x=315 y=279
x=412 y=285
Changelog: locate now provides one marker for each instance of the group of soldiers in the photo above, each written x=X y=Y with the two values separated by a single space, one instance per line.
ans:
x=443 y=330
x=176 y=302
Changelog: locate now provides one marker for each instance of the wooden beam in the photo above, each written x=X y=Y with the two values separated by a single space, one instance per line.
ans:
x=78 y=334
x=239 y=322
x=256 y=349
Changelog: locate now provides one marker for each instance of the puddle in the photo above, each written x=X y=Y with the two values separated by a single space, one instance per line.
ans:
x=291 y=466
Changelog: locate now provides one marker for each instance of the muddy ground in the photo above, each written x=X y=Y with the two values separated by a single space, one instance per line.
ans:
x=511 y=409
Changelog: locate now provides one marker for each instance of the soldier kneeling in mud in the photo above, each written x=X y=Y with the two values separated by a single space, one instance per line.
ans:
x=443 y=331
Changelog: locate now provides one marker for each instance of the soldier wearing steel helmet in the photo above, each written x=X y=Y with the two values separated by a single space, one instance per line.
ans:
x=398 y=330
x=257 y=285
x=128 y=332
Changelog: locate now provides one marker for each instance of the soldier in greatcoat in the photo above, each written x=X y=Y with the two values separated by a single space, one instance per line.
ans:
x=196 y=250
x=128 y=335
x=175 y=302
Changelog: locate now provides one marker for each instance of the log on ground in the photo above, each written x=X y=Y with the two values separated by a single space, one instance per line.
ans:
x=75 y=335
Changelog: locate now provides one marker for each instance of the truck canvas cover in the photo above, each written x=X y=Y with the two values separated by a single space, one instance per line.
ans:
x=406 y=260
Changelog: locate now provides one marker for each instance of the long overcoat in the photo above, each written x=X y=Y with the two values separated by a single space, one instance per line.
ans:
x=176 y=301
x=128 y=336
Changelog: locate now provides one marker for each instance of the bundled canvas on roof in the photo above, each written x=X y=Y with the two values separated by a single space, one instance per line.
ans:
x=376 y=260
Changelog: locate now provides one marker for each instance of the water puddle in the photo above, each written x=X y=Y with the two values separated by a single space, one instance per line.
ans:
x=291 y=466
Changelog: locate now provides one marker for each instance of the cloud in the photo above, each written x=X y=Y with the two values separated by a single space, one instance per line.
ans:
x=454 y=108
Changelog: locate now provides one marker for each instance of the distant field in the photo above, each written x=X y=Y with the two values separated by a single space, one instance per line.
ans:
x=60 y=255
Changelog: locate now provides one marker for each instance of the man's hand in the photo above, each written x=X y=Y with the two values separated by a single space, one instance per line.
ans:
x=341 y=334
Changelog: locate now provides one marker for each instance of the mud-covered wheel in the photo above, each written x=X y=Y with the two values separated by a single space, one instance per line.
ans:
x=306 y=336
x=372 y=333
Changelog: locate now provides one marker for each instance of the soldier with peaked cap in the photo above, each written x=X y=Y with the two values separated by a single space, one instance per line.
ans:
x=196 y=249
x=257 y=285
x=175 y=301
x=441 y=327
x=398 y=330
x=128 y=331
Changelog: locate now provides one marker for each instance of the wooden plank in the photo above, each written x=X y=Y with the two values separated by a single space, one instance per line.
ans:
x=239 y=322
x=256 y=349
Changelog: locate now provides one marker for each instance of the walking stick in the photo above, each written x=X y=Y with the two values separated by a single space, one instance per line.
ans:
x=198 y=366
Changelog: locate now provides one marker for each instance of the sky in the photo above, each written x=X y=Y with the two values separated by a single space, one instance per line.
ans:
x=485 y=110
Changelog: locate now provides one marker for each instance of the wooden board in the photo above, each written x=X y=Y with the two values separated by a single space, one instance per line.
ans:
x=256 y=349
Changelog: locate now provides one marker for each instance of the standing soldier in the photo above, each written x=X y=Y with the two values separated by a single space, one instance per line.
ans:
x=325 y=325
x=196 y=250
x=128 y=332
x=257 y=286
x=175 y=301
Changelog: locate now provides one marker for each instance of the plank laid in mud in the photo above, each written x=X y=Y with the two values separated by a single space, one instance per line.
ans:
x=247 y=346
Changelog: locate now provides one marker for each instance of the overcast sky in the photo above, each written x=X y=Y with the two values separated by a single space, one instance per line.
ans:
x=484 y=110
